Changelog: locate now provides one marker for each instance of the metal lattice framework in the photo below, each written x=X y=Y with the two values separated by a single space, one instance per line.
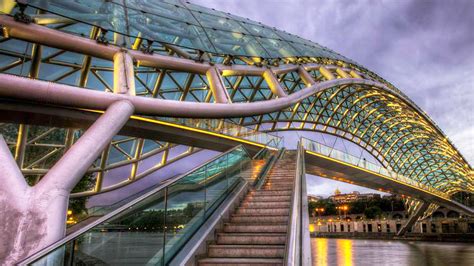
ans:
x=368 y=111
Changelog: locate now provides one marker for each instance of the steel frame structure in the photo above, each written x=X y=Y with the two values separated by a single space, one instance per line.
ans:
x=336 y=98
x=47 y=62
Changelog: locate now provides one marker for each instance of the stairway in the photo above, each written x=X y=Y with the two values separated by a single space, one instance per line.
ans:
x=256 y=231
x=252 y=171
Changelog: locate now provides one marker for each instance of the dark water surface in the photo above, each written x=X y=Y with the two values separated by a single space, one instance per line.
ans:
x=350 y=252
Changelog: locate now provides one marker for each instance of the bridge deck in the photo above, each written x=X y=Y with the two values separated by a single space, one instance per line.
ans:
x=321 y=165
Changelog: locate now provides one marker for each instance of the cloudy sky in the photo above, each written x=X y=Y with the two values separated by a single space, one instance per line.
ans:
x=424 y=47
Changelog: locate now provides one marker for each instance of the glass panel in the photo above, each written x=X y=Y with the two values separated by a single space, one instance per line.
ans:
x=229 y=129
x=154 y=227
x=362 y=162
x=185 y=210
x=183 y=24
x=134 y=237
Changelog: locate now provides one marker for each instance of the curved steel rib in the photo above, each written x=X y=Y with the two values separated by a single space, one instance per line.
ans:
x=52 y=93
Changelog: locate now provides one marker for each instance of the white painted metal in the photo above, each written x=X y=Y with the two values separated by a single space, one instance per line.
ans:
x=35 y=217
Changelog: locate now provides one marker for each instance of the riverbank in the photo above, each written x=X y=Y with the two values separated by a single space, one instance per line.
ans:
x=331 y=251
x=461 y=238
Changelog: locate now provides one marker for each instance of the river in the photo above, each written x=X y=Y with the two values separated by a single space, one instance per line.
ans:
x=349 y=252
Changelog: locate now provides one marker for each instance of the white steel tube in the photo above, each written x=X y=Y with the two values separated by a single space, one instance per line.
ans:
x=273 y=83
x=124 y=77
x=52 y=93
x=217 y=86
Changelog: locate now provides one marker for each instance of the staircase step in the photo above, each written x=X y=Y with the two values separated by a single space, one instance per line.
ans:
x=279 y=183
x=259 y=219
x=267 y=198
x=267 y=204
x=240 y=261
x=281 y=180
x=255 y=228
x=247 y=251
x=282 y=177
x=251 y=239
x=263 y=211
x=277 y=188
x=266 y=193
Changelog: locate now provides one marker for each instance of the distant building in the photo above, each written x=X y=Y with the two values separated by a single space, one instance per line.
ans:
x=314 y=198
x=338 y=197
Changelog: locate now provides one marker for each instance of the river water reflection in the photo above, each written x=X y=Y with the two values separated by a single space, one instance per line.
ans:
x=350 y=252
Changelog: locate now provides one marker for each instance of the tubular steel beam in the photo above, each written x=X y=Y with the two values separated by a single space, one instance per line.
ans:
x=240 y=70
x=54 y=38
x=52 y=93
x=124 y=77
x=306 y=77
x=33 y=228
x=284 y=69
x=274 y=84
x=217 y=86
x=326 y=73
x=419 y=211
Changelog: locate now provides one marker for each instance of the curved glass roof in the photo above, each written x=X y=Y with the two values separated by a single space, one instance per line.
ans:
x=187 y=25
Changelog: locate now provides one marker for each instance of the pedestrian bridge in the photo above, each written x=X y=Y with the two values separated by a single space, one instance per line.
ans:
x=252 y=214
x=89 y=90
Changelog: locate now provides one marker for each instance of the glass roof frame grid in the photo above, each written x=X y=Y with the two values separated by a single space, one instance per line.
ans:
x=190 y=8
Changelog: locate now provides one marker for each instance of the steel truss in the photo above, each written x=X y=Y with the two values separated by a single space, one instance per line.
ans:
x=305 y=93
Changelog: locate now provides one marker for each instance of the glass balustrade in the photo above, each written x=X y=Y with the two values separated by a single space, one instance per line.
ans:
x=154 y=227
x=229 y=129
x=362 y=162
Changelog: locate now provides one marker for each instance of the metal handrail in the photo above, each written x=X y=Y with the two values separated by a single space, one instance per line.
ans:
x=260 y=153
x=119 y=210
x=298 y=251
x=387 y=173
x=291 y=255
x=262 y=176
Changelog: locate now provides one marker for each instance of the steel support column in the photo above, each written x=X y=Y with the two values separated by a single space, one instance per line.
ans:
x=420 y=209
x=34 y=217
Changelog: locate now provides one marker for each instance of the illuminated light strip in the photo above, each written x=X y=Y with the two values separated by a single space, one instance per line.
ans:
x=374 y=173
x=163 y=123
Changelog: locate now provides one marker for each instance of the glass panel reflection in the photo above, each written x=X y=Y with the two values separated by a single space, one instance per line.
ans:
x=154 y=227
x=184 y=24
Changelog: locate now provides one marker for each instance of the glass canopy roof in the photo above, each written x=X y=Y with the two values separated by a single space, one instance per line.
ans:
x=187 y=25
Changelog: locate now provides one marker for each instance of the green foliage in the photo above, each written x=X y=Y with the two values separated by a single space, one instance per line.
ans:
x=358 y=207
x=154 y=219
x=373 y=212
x=78 y=205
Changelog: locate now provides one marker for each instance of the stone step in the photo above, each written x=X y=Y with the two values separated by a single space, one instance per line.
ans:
x=239 y=218
x=266 y=193
x=241 y=261
x=255 y=228
x=246 y=251
x=275 y=198
x=263 y=211
x=283 y=184
x=277 y=188
x=286 y=185
x=266 y=204
x=251 y=239
x=281 y=180
x=289 y=176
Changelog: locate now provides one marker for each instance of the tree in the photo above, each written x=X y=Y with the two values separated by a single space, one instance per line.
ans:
x=78 y=205
x=373 y=212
